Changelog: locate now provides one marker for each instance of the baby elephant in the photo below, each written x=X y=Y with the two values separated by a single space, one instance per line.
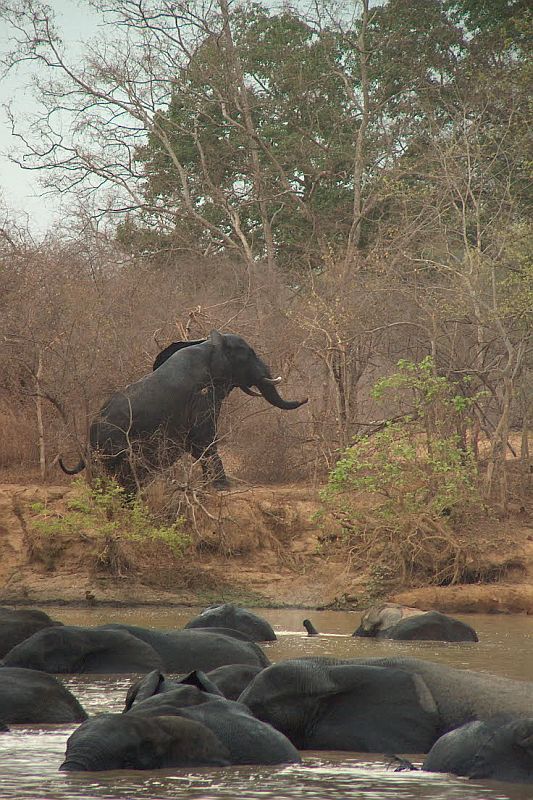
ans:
x=392 y=621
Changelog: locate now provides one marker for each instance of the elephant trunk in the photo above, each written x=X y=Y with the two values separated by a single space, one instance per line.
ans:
x=271 y=395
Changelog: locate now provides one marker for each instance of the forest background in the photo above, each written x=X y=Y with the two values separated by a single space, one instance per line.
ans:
x=345 y=185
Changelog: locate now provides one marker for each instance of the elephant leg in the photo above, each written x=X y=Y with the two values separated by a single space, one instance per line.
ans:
x=212 y=466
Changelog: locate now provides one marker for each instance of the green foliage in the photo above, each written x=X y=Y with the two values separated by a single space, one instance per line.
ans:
x=400 y=494
x=102 y=511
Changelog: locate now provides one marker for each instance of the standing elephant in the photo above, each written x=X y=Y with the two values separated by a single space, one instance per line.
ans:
x=229 y=615
x=175 y=409
x=501 y=749
x=392 y=621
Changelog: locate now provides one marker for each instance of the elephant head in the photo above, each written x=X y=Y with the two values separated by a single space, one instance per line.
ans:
x=235 y=364
x=246 y=369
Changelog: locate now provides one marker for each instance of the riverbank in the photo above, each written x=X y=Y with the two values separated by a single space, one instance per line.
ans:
x=259 y=546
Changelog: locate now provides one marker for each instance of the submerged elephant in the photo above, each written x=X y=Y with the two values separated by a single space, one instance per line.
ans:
x=392 y=621
x=72 y=649
x=248 y=740
x=228 y=681
x=175 y=409
x=31 y=697
x=324 y=705
x=17 y=624
x=113 y=741
x=206 y=649
x=229 y=615
x=497 y=749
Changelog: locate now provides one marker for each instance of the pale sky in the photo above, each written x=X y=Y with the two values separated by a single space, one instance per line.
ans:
x=20 y=188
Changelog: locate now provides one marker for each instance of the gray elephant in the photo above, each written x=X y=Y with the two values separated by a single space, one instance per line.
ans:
x=72 y=649
x=326 y=705
x=175 y=409
x=31 y=697
x=229 y=615
x=392 y=621
x=463 y=695
x=323 y=702
x=206 y=649
x=228 y=681
x=17 y=624
x=248 y=740
x=113 y=741
x=500 y=749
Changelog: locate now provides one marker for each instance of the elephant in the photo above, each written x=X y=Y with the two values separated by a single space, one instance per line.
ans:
x=232 y=679
x=175 y=408
x=315 y=701
x=206 y=649
x=228 y=681
x=500 y=749
x=324 y=705
x=114 y=741
x=249 y=740
x=229 y=615
x=31 y=697
x=392 y=621
x=463 y=695
x=72 y=649
x=17 y=624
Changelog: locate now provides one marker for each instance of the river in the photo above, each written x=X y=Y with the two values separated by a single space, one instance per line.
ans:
x=30 y=756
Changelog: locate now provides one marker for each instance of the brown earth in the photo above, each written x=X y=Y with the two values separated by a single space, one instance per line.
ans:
x=258 y=546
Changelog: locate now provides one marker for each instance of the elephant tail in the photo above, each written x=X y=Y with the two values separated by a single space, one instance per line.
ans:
x=74 y=470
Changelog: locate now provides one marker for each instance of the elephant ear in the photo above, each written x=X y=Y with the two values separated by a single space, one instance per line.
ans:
x=219 y=363
x=145 y=687
x=165 y=354
x=201 y=681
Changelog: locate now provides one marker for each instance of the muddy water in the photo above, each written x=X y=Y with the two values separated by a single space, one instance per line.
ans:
x=29 y=756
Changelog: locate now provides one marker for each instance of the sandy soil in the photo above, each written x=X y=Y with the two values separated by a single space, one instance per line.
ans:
x=258 y=546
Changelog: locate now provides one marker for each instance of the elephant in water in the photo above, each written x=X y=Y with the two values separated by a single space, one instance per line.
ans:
x=321 y=704
x=175 y=409
x=129 y=648
x=18 y=624
x=378 y=704
x=229 y=615
x=501 y=749
x=113 y=741
x=228 y=681
x=72 y=649
x=205 y=649
x=392 y=621
x=248 y=740
x=31 y=697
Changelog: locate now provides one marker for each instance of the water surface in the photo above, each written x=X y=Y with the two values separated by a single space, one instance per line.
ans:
x=30 y=756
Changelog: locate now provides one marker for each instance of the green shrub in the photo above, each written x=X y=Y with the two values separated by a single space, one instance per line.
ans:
x=101 y=510
x=403 y=494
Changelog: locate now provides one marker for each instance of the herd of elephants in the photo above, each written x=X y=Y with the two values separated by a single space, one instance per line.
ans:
x=228 y=704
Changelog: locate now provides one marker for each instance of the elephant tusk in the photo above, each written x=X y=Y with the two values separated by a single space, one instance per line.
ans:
x=272 y=380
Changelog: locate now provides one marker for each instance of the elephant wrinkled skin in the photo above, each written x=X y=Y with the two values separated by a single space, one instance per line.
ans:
x=175 y=409
x=229 y=615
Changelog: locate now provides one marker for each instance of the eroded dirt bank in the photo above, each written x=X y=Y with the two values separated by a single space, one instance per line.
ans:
x=256 y=546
